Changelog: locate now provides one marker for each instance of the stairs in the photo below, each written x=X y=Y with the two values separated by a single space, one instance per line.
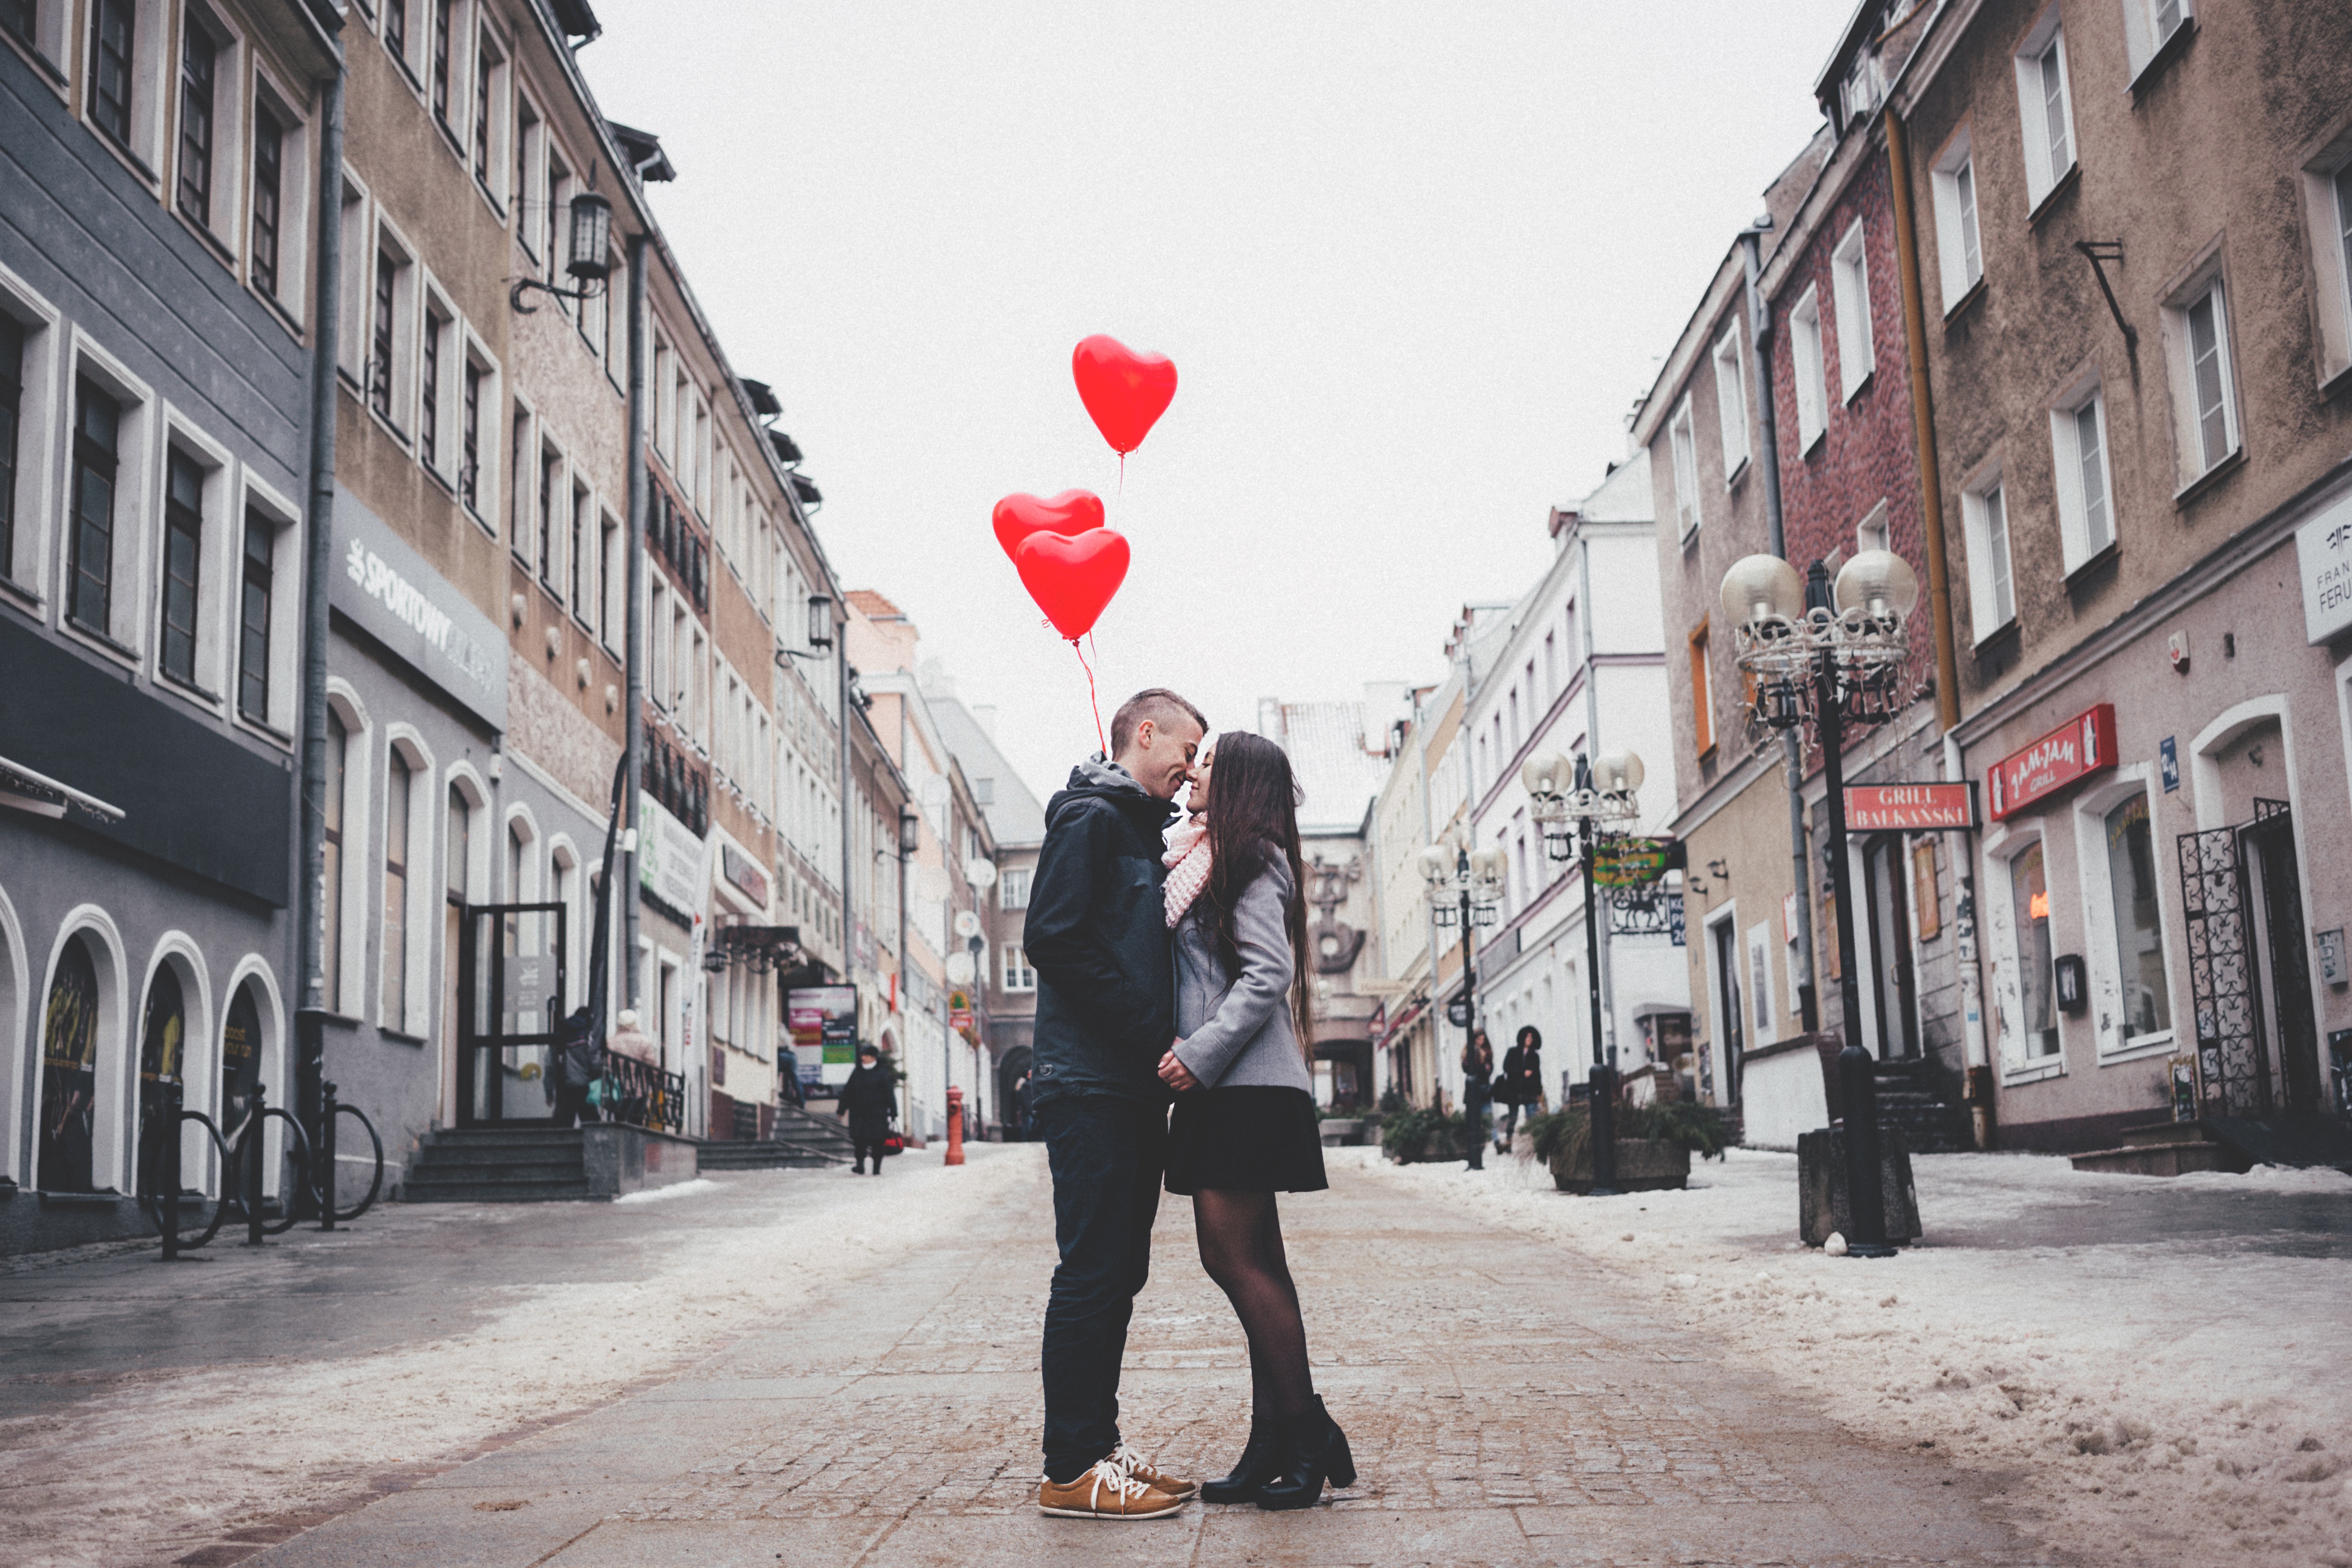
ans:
x=802 y=1140
x=1908 y=1099
x=2165 y=1149
x=497 y=1164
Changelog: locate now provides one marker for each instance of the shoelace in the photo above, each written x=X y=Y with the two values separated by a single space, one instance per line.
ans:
x=1112 y=1473
x=1129 y=1461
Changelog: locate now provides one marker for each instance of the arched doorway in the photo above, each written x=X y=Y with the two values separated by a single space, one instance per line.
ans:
x=240 y=1059
x=69 y=1073
x=162 y=1040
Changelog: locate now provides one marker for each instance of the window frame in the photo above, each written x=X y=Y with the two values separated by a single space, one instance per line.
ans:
x=259 y=502
x=217 y=475
x=396 y=327
x=1008 y=880
x=2326 y=179
x=151 y=78
x=1729 y=356
x=2208 y=284
x=1958 y=221
x=1017 y=975
x=1702 y=679
x=2079 y=546
x=50 y=42
x=480 y=400
x=136 y=489
x=25 y=532
x=1681 y=441
x=2145 y=46
x=289 y=292
x=1809 y=370
x=1850 y=298
x=1985 y=622
x=2044 y=42
x=2101 y=936
x=2018 y=1064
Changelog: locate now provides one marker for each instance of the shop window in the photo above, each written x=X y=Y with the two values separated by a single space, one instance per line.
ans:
x=240 y=1059
x=2139 y=922
x=162 y=1042
x=339 y=746
x=69 y=1073
x=399 y=780
x=2029 y=890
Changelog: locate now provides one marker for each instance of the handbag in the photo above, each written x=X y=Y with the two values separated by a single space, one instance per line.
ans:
x=893 y=1143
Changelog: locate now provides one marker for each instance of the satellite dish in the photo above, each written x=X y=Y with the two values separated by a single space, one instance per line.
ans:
x=967 y=923
x=981 y=873
x=959 y=968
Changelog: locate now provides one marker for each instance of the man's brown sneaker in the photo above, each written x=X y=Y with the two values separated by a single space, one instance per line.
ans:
x=1139 y=1466
x=1106 y=1491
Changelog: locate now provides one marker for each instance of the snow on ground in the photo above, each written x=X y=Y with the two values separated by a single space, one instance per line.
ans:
x=2152 y=1401
x=133 y=1475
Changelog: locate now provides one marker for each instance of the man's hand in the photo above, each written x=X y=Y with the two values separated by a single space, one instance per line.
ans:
x=1175 y=1074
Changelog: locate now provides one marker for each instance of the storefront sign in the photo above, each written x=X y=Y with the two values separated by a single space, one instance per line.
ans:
x=744 y=872
x=2322 y=549
x=392 y=592
x=823 y=1022
x=1910 y=808
x=2081 y=747
x=1630 y=863
x=668 y=855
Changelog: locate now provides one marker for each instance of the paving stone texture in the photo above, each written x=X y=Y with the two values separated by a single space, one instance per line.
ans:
x=1504 y=1405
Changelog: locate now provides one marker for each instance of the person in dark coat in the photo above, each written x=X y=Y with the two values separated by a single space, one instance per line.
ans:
x=1522 y=1077
x=578 y=1061
x=871 y=1102
x=1477 y=1097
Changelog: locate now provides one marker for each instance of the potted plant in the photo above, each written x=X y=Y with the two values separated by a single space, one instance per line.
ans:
x=1655 y=1143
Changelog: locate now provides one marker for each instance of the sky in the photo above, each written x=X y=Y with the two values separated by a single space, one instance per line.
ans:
x=1413 y=263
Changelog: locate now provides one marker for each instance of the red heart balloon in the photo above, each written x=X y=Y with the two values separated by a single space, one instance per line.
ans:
x=1124 y=391
x=1071 y=512
x=1072 y=578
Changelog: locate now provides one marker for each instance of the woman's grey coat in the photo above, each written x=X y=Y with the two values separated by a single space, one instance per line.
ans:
x=1238 y=1029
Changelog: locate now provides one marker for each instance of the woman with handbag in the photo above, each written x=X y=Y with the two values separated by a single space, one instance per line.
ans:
x=1244 y=1127
x=871 y=1104
x=1477 y=1098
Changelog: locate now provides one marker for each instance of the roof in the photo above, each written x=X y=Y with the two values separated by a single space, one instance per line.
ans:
x=874 y=607
x=1015 y=818
x=1325 y=742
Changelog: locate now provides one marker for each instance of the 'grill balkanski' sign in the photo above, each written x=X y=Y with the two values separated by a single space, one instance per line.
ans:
x=2081 y=747
x=1910 y=808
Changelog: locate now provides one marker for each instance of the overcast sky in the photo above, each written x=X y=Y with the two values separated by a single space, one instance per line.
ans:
x=1413 y=263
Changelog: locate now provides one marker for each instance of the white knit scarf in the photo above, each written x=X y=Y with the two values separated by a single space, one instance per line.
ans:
x=1187 y=859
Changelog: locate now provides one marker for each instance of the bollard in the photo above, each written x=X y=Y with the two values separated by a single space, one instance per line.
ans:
x=254 y=1134
x=167 y=1171
x=324 y=1156
x=955 y=1126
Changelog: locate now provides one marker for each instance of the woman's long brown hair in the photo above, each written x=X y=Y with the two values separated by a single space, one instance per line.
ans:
x=1252 y=821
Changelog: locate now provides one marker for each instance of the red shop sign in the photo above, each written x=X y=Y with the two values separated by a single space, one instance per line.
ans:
x=1910 y=808
x=2081 y=747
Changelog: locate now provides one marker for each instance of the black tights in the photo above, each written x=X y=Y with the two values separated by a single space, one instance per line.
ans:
x=1241 y=1247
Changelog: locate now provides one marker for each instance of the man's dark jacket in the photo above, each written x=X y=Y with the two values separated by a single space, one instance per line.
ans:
x=869 y=1100
x=1098 y=936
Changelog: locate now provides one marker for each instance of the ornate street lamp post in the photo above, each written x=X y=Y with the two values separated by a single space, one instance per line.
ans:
x=1477 y=880
x=1590 y=795
x=1834 y=666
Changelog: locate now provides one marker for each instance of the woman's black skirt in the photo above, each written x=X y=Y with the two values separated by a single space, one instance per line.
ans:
x=1246 y=1138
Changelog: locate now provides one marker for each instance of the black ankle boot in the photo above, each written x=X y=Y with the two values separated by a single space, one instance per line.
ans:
x=1252 y=1470
x=1313 y=1451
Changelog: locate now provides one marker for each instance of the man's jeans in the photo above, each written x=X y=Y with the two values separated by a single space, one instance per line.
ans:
x=1106 y=1155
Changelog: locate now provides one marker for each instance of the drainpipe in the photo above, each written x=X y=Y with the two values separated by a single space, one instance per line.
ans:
x=318 y=560
x=1792 y=749
x=1979 y=1086
x=1603 y=980
x=634 y=655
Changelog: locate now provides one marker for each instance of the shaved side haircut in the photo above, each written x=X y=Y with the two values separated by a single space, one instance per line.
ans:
x=1157 y=704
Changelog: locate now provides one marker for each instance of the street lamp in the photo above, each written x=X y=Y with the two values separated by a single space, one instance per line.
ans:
x=1476 y=881
x=1835 y=657
x=592 y=254
x=1589 y=794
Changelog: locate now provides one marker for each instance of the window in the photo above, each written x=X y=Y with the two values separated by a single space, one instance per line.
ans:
x=2086 y=523
x=339 y=745
x=2139 y=925
x=1992 y=592
x=1515 y=722
x=441 y=61
x=2148 y=26
x=184 y=549
x=253 y=619
x=519 y=461
x=458 y=853
x=1551 y=667
x=12 y=411
x=1686 y=453
x=2199 y=349
x=611 y=579
x=199 y=58
x=1731 y=400
x=20 y=18
x=1018 y=974
x=388 y=376
x=558 y=187
x=550 y=481
x=1959 y=255
x=2342 y=185
x=268 y=178
x=1805 y=348
x=113 y=41
x=395 y=28
x=529 y=159
x=2326 y=181
x=1871 y=533
x=2029 y=892
x=398 y=780
x=583 y=559
x=1849 y=297
x=469 y=477
x=1702 y=695
x=2044 y=111
x=482 y=114
x=1013 y=888
x=428 y=426
x=98 y=433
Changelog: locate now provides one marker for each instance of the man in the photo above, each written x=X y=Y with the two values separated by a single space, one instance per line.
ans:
x=1098 y=937
x=869 y=1100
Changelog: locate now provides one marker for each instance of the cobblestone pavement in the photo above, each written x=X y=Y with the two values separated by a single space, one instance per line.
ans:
x=1504 y=1408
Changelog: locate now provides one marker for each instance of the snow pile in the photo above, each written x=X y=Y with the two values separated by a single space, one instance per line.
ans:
x=158 y=1464
x=675 y=1189
x=2157 y=1401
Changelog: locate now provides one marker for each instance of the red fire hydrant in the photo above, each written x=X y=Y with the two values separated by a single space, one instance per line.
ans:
x=955 y=1126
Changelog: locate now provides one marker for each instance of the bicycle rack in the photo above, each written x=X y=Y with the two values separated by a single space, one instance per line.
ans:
x=241 y=1169
x=162 y=1208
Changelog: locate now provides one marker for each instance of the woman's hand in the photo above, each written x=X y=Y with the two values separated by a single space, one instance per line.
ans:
x=1175 y=1074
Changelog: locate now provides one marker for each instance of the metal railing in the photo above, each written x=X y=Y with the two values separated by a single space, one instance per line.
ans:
x=642 y=1094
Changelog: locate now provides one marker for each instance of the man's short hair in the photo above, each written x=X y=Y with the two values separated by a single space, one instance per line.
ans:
x=1157 y=704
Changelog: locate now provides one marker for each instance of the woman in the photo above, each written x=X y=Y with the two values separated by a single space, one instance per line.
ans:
x=1523 y=1072
x=1245 y=1125
x=1477 y=1097
x=870 y=1101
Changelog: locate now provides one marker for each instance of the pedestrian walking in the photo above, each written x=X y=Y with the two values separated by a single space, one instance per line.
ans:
x=870 y=1101
x=578 y=1061
x=1244 y=1127
x=1021 y=1108
x=1522 y=1078
x=1106 y=1009
x=1477 y=1097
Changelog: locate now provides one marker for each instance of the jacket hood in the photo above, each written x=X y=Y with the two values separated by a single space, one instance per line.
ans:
x=1097 y=779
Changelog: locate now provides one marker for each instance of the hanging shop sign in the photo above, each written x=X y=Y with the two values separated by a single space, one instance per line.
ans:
x=2081 y=747
x=1630 y=863
x=823 y=1022
x=2322 y=553
x=1910 y=808
x=744 y=872
x=393 y=594
x=669 y=859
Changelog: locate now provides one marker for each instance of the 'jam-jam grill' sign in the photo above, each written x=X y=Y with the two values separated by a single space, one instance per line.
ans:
x=2081 y=747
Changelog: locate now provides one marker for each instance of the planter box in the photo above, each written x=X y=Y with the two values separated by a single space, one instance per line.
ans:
x=1821 y=1192
x=1344 y=1132
x=1641 y=1167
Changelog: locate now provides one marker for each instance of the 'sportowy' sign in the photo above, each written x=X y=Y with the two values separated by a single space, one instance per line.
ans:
x=389 y=589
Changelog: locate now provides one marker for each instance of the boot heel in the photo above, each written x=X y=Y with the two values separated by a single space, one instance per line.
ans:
x=1343 y=1463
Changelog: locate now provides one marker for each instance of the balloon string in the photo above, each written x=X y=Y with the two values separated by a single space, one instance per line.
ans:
x=1092 y=700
